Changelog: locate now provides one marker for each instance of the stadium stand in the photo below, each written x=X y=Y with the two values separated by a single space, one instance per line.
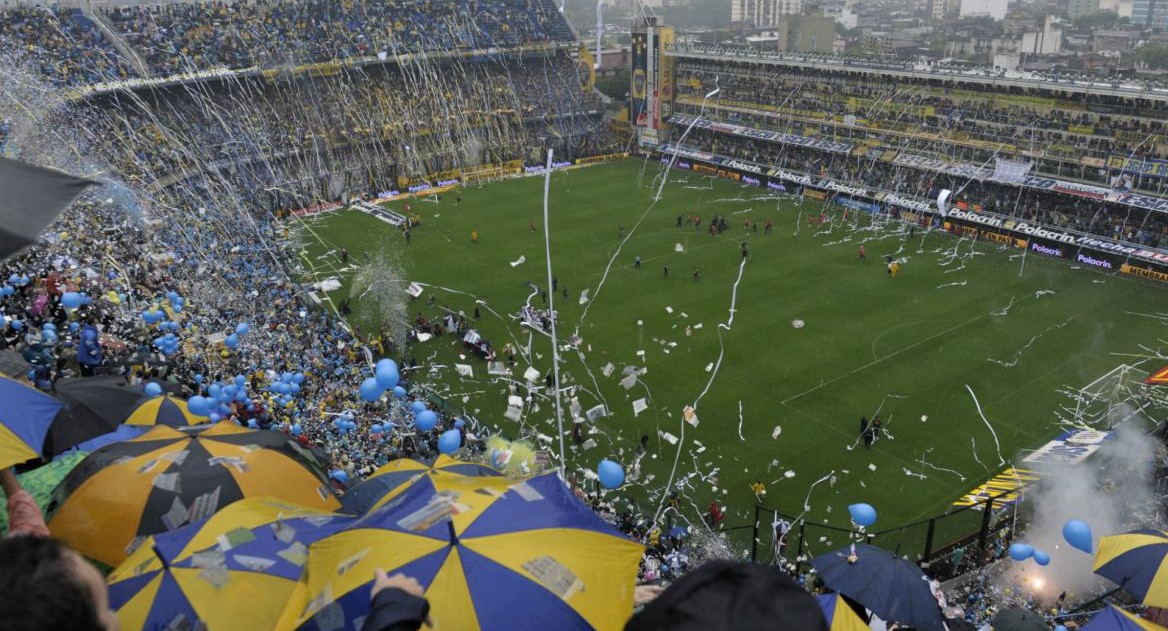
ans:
x=62 y=44
x=178 y=38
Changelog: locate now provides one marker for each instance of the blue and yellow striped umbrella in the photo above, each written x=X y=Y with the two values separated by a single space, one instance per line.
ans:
x=393 y=478
x=492 y=553
x=839 y=615
x=1138 y=562
x=1116 y=619
x=163 y=410
x=233 y=571
x=25 y=416
x=166 y=479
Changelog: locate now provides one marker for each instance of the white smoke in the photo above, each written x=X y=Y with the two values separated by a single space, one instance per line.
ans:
x=1113 y=492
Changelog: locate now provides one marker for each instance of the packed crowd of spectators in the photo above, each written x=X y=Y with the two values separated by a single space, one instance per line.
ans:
x=1091 y=216
x=1055 y=132
x=466 y=113
x=61 y=44
x=176 y=38
x=66 y=46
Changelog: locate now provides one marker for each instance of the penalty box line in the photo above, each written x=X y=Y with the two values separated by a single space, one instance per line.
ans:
x=894 y=354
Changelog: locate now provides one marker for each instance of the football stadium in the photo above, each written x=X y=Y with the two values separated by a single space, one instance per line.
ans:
x=383 y=315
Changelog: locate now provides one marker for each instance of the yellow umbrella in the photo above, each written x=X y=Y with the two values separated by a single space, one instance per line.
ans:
x=839 y=615
x=233 y=571
x=1138 y=562
x=490 y=553
x=1115 y=619
x=396 y=476
x=165 y=479
x=163 y=410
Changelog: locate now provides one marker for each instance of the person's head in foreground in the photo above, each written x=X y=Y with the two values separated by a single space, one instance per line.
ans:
x=45 y=586
x=731 y=596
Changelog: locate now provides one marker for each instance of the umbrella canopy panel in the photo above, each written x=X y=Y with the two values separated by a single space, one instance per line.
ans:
x=491 y=553
x=164 y=479
x=1138 y=562
x=893 y=588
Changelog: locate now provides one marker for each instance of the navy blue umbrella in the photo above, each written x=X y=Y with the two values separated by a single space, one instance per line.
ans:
x=893 y=588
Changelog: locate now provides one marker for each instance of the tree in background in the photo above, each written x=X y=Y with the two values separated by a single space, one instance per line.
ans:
x=1154 y=56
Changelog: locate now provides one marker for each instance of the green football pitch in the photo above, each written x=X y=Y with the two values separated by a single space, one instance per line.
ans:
x=783 y=403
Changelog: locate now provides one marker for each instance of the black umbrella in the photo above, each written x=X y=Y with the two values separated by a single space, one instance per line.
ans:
x=12 y=365
x=957 y=624
x=94 y=406
x=33 y=197
x=893 y=588
x=1018 y=619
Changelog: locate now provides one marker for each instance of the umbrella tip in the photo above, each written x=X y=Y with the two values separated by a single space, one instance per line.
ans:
x=161 y=558
x=453 y=535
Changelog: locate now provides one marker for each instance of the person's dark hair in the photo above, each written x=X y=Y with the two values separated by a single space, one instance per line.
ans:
x=731 y=596
x=41 y=589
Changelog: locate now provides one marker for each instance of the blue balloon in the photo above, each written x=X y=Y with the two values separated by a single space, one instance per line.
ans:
x=340 y=476
x=298 y=378
x=240 y=380
x=293 y=388
x=286 y=377
x=49 y=326
x=611 y=474
x=199 y=378
x=375 y=428
x=426 y=420
x=49 y=337
x=251 y=422
x=459 y=423
x=242 y=328
x=369 y=390
x=386 y=373
x=231 y=341
x=1059 y=627
x=215 y=390
x=399 y=392
x=450 y=441
x=1078 y=534
x=153 y=389
x=863 y=514
x=1021 y=551
x=74 y=326
x=1041 y=557
x=14 y=279
x=296 y=429
x=72 y=299
x=281 y=387
x=16 y=325
x=215 y=417
x=418 y=407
